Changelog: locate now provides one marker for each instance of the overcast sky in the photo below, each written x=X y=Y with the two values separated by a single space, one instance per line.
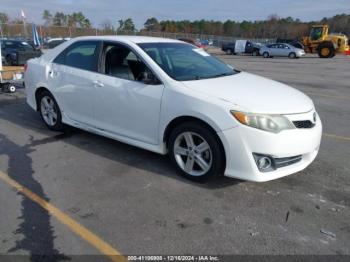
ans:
x=139 y=10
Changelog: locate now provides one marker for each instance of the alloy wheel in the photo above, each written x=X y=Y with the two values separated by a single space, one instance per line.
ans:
x=193 y=154
x=48 y=111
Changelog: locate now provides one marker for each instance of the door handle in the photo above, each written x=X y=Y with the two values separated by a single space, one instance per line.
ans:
x=98 y=83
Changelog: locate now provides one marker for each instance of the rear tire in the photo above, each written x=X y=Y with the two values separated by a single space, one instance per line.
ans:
x=50 y=112
x=8 y=88
x=255 y=53
x=11 y=88
x=196 y=152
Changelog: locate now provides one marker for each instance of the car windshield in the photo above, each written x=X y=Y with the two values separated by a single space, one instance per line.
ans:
x=184 y=62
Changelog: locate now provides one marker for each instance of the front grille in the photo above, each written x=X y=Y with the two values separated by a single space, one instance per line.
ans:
x=286 y=161
x=303 y=124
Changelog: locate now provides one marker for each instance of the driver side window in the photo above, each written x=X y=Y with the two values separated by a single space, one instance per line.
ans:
x=119 y=61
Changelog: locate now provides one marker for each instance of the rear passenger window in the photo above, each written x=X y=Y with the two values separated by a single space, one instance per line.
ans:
x=82 y=55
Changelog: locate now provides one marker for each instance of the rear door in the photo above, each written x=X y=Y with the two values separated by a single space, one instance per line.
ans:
x=72 y=77
x=273 y=49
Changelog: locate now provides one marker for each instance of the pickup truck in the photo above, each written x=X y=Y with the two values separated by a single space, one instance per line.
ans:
x=17 y=52
x=241 y=47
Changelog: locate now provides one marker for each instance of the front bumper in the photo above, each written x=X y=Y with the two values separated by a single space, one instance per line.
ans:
x=241 y=142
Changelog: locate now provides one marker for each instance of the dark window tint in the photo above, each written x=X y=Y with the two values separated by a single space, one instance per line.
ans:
x=81 y=55
x=9 y=44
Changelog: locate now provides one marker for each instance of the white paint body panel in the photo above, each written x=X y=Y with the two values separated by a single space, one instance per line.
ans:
x=139 y=114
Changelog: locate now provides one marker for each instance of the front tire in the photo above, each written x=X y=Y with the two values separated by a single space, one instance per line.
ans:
x=50 y=112
x=266 y=55
x=292 y=55
x=196 y=152
x=326 y=50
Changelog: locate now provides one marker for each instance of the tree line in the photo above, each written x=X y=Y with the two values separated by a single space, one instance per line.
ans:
x=271 y=27
x=75 y=19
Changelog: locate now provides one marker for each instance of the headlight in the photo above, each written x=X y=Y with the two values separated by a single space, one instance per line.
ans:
x=270 y=123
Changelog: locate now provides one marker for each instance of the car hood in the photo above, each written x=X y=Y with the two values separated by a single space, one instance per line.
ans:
x=254 y=93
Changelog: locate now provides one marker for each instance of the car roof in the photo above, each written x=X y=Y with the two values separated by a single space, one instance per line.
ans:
x=127 y=38
x=51 y=54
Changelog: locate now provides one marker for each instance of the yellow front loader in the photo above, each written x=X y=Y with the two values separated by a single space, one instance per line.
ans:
x=324 y=44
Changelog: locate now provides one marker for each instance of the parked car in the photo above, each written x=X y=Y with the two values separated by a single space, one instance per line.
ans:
x=53 y=42
x=166 y=96
x=194 y=42
x=294 y=42
x=17 y=52
x=206 y=42
x=241 y=47
x=228 y=48
x=283 y=50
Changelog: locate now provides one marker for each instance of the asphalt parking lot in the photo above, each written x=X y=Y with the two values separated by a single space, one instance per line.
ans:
x=134 y=201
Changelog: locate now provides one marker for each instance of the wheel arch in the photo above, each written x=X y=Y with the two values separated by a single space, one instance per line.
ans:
x=326 y=43
x=186 y=118
x=38 y=92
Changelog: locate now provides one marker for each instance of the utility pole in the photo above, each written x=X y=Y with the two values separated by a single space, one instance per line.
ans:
x=2 y=35
x=24 y=23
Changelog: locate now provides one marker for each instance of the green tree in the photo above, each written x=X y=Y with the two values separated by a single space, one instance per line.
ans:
x=60 y=19
x=47 y=17
x=78 y=19
x=152 y=24
x=126 y=25
x=4 y=18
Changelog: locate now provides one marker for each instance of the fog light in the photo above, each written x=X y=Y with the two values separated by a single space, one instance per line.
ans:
x=264 y=163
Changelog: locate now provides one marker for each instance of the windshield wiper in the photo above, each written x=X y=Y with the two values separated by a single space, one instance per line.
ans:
x=208 y=77
x=219 y=75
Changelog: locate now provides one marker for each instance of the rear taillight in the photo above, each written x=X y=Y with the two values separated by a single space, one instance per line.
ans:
x=25 y=67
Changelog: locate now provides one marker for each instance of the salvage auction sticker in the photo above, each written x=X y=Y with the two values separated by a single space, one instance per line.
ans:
x=173 y=258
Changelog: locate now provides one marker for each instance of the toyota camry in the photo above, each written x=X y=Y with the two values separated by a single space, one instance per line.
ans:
x=171 y=97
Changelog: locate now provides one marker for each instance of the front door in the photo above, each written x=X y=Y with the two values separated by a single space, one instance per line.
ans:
x=125 y=103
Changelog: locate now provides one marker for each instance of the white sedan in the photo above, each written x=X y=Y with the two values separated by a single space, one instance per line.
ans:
x=168 y=96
